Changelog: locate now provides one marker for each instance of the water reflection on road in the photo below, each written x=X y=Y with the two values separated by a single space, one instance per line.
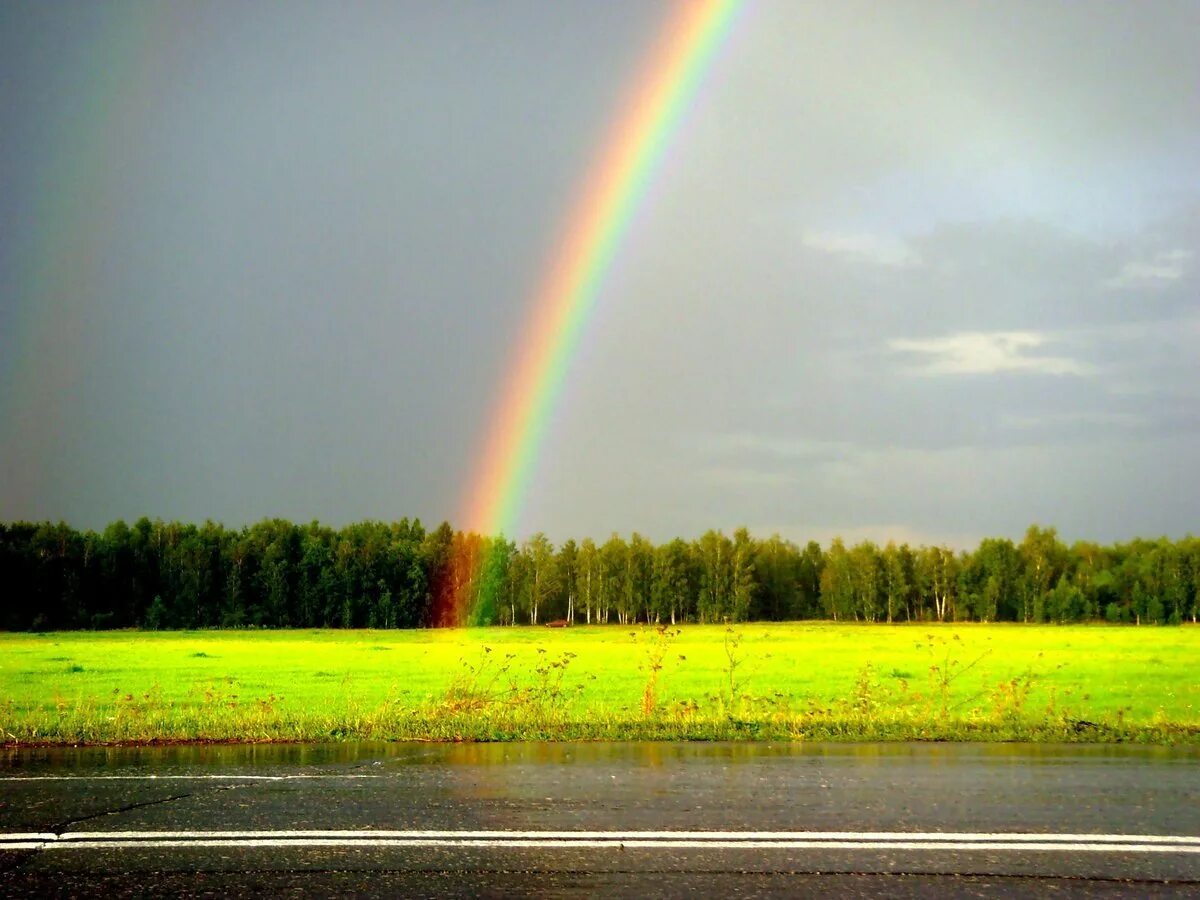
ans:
x=236 y=757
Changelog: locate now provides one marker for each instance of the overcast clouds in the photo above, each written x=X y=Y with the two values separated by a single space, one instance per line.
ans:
x=923 y=270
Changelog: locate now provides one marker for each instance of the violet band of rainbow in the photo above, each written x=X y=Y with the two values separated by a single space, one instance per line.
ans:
x=613 y=190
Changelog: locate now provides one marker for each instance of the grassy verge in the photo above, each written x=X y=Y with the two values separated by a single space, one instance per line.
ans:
x=814 y=681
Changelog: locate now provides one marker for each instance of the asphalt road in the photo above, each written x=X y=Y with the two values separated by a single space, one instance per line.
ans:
x=630 y=819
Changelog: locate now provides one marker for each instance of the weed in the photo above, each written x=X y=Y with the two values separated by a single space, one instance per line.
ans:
x=865 y=687
x=733 y=659
x=547 y=691
x=946 y=668
x=475 y=686
x=655 y=654
x=1010 y=697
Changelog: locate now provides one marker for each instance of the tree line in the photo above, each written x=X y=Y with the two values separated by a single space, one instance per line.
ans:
x=155 y=574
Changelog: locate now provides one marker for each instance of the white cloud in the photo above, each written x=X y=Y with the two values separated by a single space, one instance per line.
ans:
x=773 y=446
x=745 y=476
x=873 y=249
x=1098 y=419
x=1164 y=267
x=935 y=495
x=984 y=353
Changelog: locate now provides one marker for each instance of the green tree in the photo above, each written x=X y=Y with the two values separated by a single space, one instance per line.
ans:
x=714 y=552
x=589 y=579
x=896 y=564
x=495 y=584
x=1065 y=603
x=1044 y=557
x=937 y=579
x=438 y=548
x=671 y=581
x=777 y=576
x=998 y=580
x=542 y=578
x=741 y=576
x=639 y=566
x=808 y=600
x=867 y=575
x=613 y=567
x=837 y=582
x=567 y=568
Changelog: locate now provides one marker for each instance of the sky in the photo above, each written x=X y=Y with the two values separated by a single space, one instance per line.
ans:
x=918 y=271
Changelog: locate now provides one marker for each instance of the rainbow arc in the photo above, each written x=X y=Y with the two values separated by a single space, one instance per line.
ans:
x=612 y=193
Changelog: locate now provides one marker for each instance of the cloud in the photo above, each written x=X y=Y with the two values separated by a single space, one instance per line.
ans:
x=1074 y=418
x=1164 y=267
x=935 y=495
x=773 y=446
x=745 y=476
x=872 y=249
x=985 y=353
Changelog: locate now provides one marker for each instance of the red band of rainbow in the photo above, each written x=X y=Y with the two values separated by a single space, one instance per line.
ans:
x=612 y=192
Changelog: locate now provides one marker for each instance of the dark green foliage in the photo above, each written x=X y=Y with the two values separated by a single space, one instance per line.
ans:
x=274 y=574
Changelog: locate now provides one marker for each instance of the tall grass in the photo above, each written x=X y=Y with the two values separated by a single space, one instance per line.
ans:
x=756 y=682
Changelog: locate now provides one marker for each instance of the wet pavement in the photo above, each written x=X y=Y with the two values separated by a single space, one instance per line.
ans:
x=505 y=819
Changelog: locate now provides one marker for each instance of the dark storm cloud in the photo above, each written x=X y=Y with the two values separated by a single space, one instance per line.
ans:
x=918 y=270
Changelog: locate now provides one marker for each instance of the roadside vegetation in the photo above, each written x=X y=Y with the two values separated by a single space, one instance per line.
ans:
x=777 y=681
x=275 y=574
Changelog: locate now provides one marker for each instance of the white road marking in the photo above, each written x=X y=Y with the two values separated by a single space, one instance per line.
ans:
x=638 y=845
x=29 y=836
x=322 y=775
x=24 y=840
x=644 y=835
x=679 y=840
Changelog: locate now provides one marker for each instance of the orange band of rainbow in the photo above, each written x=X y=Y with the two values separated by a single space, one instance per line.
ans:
x=613 y=189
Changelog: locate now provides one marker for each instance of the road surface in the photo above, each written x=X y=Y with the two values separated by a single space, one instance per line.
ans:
x=633 y=819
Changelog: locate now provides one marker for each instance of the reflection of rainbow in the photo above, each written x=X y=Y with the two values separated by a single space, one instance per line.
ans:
x=611 y=194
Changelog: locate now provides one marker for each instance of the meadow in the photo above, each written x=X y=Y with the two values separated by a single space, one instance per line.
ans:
x=794 y=681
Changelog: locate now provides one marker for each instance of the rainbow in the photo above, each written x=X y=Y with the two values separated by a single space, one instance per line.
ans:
x=613 y=190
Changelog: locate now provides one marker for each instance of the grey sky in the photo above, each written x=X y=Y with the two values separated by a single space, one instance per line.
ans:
x=909 y=270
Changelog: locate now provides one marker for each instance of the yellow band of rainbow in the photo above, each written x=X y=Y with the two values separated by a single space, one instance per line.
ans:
x=612 y=192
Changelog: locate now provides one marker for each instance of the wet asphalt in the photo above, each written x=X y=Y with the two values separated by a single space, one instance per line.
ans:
x=259 y=791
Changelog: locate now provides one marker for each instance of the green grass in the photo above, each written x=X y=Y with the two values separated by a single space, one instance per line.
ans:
x=757 y=681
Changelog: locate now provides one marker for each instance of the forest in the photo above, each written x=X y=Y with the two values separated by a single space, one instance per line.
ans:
x=276 y=574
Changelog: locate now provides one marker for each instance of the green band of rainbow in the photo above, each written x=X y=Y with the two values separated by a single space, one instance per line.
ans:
x=613 y=191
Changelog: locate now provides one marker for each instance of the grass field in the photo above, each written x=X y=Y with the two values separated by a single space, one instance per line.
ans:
x=755 y=681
